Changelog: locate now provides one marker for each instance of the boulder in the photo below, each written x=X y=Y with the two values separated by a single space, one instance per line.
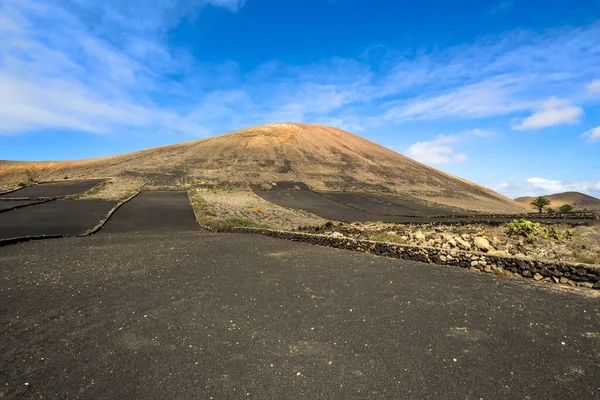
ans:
x=462 y=243
x=482 y=244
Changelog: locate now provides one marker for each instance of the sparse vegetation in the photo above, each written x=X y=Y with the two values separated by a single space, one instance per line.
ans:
x=245 y=209
x=587 y=257
x=538 y=241
x=390 y=237
x=112 y=189
x=523 y=227
x=565 y=208
x=539 y=203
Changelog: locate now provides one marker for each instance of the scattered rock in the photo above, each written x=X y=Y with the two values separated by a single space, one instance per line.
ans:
x=462 y=244
x=419 y=236
x=538 y=277
x=482 y=244
x=337 y=235
x=585 y=284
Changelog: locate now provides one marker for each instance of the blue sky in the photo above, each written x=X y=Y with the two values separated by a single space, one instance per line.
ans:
x=503 y=93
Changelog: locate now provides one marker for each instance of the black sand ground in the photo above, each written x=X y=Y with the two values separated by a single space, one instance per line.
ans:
x=8 y=204
x=385 y=204
x=153 y=211
x=60 y=217
x=54 y=189
x=198 y=316
x=316 y=204
x=419 y=208
x=327 y=208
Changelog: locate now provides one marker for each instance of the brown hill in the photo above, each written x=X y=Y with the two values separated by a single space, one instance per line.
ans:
x=325 y=158
x=579 y=201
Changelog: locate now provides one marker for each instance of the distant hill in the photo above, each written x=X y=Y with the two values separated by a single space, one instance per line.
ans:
x=579 y=201
x=324 y=158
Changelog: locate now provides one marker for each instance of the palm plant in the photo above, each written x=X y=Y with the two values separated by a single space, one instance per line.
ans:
x=539 y=203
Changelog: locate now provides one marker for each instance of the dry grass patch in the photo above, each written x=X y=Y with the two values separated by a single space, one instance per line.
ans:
x=112 y=189
x=244 y=208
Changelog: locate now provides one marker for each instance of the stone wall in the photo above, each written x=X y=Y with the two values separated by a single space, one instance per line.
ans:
x=545 y=216
x=583 y=275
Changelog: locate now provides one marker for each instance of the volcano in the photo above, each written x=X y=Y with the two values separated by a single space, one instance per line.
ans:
x=324 y=158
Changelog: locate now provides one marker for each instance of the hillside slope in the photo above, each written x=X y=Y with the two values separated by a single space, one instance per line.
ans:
x=325 y=158
x=579 y=201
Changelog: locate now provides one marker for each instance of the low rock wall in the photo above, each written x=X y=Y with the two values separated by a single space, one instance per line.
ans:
x=569 y=215
x=583 y=275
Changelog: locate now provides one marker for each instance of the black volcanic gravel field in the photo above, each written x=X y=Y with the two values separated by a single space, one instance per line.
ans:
x=335 y=207
x=157 y=211
x=194 y=315
x=53 y=189
x=60 y=217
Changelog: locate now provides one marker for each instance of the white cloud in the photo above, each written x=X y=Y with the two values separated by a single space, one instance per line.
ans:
x=69 y=77
x=594 y=86
x=438 y=150
x=593 y=135
x=107 y=66
x=540 y=186
x=492 y=97
x=435 y=152
x=553 y=112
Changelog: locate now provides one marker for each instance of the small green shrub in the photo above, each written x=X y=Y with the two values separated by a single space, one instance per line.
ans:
x=523 y=227
x=65 y=177
x=565 y=208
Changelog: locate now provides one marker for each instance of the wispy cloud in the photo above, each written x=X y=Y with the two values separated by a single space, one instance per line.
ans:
x=436 y=151
x=594 y=86
x=492 y=97
x=593 y=135
x=552 y=112
x=501 y=7
x=72 y=77
x=541 y=186
x=107 y=67
x=439 y=151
